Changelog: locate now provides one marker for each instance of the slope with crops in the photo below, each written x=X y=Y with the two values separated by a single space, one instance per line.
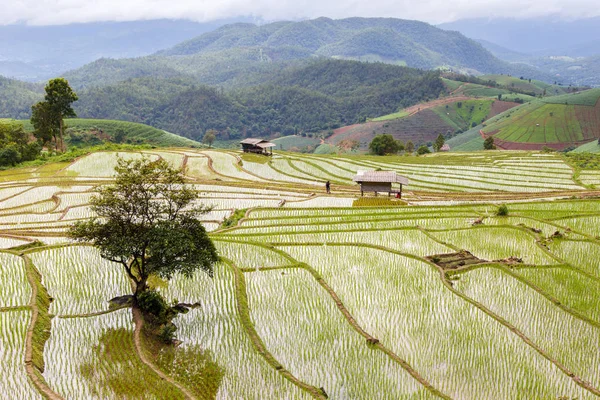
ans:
x=317 y=295
x=557 y=122
x=423 y=122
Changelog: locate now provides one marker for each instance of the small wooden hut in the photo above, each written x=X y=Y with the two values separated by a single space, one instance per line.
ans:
x=380 y=181
x=257 y=146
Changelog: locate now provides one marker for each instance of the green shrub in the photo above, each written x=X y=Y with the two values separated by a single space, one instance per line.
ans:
x=166 y=333
x=423 y=150
x=151 y=302
x=502 y=211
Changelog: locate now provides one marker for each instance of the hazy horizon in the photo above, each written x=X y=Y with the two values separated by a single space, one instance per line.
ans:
x=63 y=12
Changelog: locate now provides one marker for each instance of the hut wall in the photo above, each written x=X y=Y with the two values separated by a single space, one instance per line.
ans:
x=376 y=187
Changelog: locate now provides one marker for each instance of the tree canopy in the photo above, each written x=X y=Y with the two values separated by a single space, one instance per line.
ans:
x=439 y=143
x=488 y=143
x=148 y=224
x=384 y=144
x=48 y=116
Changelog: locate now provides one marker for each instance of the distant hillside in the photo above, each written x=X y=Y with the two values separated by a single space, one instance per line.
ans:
x=16 y=98
x=315 y=96
x=84 y=132
x=557 y=122
x=35 y=53
x=567 y=51
x=245 y=54
x=532 y=86
x=412 y=43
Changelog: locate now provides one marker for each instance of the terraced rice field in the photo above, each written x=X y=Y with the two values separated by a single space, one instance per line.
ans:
x=314 y=296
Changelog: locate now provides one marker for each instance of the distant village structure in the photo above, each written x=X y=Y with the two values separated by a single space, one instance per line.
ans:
x=257 y=146
x=380 y=182
x=445 y=147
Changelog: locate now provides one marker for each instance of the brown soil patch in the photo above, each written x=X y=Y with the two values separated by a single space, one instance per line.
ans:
x=499 y=106
x=452 y=261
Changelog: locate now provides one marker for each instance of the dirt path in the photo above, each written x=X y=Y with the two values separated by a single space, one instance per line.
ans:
x=139 y=323
x=30 y=369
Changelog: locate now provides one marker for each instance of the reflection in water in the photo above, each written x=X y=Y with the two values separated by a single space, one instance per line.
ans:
x=122 y=375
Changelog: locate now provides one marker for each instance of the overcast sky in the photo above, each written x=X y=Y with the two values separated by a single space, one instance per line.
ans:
x=57 y=12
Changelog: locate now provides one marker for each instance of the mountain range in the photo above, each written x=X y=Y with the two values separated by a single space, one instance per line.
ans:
x=34 y=53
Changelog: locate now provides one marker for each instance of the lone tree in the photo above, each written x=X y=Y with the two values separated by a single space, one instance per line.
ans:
x=488 y=143
x=148 y=224
x=384 y=144
x=410 y=147
x=439 y=143
x=48 y=116
x=209 y=137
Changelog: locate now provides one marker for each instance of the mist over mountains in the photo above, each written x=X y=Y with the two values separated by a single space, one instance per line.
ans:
x=35 y=53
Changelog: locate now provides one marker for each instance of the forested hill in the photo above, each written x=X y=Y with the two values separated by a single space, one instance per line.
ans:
x=413 y=43
x=16 y=97
x=320 y=95
x=245 y=54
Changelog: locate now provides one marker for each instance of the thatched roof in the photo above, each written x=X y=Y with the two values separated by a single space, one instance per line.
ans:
x=380 y=176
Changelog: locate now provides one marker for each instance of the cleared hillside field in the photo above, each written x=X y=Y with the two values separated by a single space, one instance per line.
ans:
x=548 y=122
x=432 y=296
x=422 y=123
x=533 y=86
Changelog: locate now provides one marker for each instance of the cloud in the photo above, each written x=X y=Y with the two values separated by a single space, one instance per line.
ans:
x=58 y=12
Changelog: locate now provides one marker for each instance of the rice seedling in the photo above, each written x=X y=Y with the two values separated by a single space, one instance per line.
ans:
x=8 y=242
x=265 y=171
x=491 y=243
x=305 y=331
x=79 y=280
x=197 y=167
x=452 y=344
x=351 y=227
x=14 y=287
x=579 y=254
x=174 y=159
x=571 y=288
x=568 y=339
x=95 y=357
x=14 y=383
x=101 y=164
x=227 y=165
x=216 y=326
x=250 y=256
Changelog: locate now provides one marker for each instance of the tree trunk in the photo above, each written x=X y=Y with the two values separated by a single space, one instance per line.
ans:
x=60 y=132
x=141 y=286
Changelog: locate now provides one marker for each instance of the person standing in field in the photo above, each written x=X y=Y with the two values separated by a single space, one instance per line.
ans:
x=328 y=186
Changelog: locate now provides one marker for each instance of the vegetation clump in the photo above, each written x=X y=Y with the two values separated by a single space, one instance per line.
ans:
x=488 y=143
x=502 y=210
x=15 y=146
x=158 y=315
x=385 y=144
x=234 y=218
x=423 y=150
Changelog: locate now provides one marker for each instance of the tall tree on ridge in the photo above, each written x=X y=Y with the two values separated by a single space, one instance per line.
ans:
x=59 y=97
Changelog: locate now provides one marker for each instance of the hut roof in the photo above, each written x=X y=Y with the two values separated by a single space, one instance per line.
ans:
x=381 y=176
x=252 y=141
